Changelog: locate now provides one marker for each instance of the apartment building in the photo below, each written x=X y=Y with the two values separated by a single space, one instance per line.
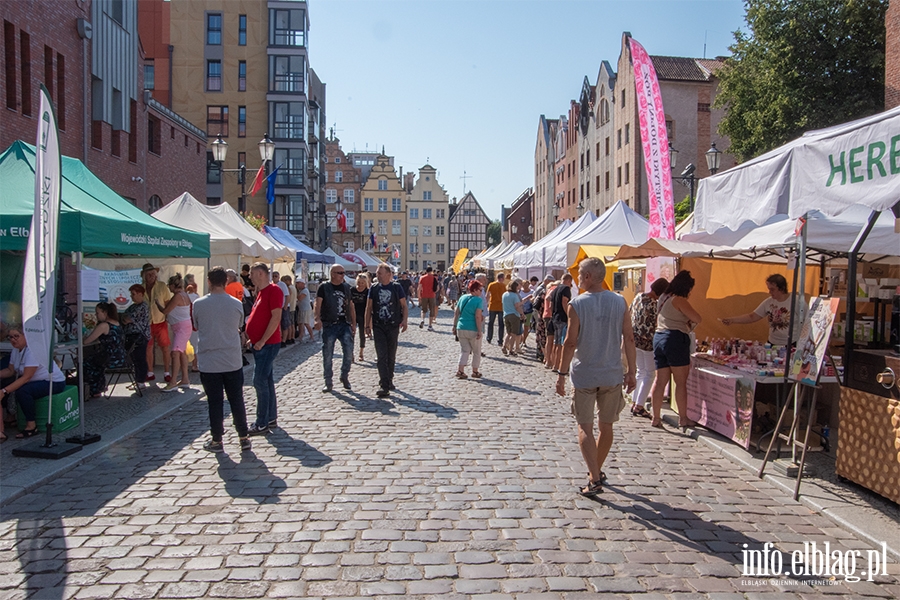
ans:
x=384 y=212
x=343 y=183
x=603 y=164
x=241 y=69
x=468 y=225
x=518 y=219
x=544 y=176
x=427 y=230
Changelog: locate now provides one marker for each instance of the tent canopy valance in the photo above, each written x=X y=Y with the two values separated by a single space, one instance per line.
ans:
x=304 y=252
x=93 y=219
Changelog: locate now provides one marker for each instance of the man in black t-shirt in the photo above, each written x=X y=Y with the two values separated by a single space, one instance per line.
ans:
x=407 y=286
x=336 y=318
x=386 y=317
x=560 y=318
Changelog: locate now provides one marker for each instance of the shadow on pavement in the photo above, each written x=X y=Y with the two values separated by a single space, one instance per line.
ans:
x=403 y=368
x=42 y=544
x=411 y=345
x=285 y=445
x=506 y=387
x=250 y=478
x=420 y=404
x=363 y=404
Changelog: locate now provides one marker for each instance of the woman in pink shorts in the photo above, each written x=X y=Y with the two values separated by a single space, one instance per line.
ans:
x=178 y=315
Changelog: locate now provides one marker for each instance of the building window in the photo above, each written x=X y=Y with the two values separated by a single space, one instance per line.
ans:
x=414 y=231
x=293 y=166
x=627 y=133
x=338 y=176
x=242 y=75
x=627 y=172
x=242 y=30
x=426 y=195
x=439 y=213
x=330 y=196
x=213 y=201
x=426 y=213
x=351 y=218
x=382 y=204
x=396 y=206
x=241 y=160
x=618 y=176
x=213 y=169
x=154 y=135
x=337 y=160
x=214 y=76
x=286 y=74
x=368 y=227
x=117 y=11
x=670 y=129
x=214 y=29
x=349 y=196
x=132 y=137
x=149 y=77
x=426 y=248
x=618 y=138
x=367 y=204
x=414 y=213
x=439 y=230
x=426 y=231
x=604 y=111
x=61 y=91
x=396 y=224
x=382 y=226
x=349 y=246
x=154 y=203
x=623 y=98
x=9 y=47
x=382 y=185
x=25 y=70
x=439 y=248
x=217 y=121
x=287 y=120
x=606 y=186
x=412 y=250
x=242 y=121
x=287 y=27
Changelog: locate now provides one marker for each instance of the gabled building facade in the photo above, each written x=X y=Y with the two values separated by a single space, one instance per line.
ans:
x=603 y=164
x=427 y=231
x=544 y=176
x=468 y=226
x=518 y=220
x=343 y=183
x=384 y=212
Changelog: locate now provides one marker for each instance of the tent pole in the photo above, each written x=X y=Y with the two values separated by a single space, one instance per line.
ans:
x=79 y=306
x=851 y=291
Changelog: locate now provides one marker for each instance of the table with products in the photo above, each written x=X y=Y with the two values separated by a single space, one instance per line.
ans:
x=736 y=388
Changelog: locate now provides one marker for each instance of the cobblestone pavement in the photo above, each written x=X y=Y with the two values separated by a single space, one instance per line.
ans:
x=448 y=488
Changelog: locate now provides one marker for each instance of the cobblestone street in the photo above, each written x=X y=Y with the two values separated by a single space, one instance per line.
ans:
x=448 y=488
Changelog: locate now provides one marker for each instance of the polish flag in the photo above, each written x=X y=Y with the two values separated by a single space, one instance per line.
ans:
x=259 y=180
x=342 y=221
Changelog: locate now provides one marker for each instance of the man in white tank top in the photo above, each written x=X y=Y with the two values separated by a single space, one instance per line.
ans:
x=599 y=324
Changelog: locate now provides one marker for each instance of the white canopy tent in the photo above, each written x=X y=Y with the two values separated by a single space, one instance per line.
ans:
x=550 y=252
x=504 y=259
x=484 y=260
x=525 y=256
x=347 y=264
x=617 y=226
x=272 y=250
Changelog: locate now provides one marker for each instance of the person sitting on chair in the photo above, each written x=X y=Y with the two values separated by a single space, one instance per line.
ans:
x=110 y=351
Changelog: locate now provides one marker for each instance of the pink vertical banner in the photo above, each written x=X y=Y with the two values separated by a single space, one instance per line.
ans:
x=655 y=143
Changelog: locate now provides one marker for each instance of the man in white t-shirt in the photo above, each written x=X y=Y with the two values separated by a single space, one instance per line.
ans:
x=776 y=309
x=285 y=308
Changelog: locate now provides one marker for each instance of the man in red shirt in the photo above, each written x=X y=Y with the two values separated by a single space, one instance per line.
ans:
x=427 y=301
x=264 y=338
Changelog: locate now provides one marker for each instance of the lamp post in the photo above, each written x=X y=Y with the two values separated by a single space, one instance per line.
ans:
x=220 y=150
x=267 y=153
x=688 y=177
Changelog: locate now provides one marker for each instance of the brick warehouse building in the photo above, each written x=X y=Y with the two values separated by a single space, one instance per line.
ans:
x=892 y=56
x=142 y=150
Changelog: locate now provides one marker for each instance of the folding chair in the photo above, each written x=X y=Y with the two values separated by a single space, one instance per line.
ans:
x=126 y=370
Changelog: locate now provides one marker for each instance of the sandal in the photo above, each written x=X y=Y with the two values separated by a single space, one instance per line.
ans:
x=461 y=375
x=657 y=424
x=639 y=411
x=476 y=374
x=3 y=437
x=592 y=489
x=27 y=433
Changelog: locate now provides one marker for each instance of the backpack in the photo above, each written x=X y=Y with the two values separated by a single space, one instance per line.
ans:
x=537 y=302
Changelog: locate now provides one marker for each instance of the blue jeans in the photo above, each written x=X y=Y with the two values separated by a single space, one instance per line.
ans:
x=331 y=333
x=264 y=382
x=28 y=394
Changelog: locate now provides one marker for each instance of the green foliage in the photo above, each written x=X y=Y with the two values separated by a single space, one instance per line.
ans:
x=683 y=209
x=806 y=64
x=494 y=233
x=256 y=220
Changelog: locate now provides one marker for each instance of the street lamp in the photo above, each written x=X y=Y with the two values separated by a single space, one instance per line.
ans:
x=687 y=177
x=267 y=153
x=220 y=151
x=713 y=158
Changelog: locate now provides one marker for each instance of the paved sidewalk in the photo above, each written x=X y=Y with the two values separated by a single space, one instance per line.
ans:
x=448 y=488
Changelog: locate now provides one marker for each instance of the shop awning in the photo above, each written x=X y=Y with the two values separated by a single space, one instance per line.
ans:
x=303 y=251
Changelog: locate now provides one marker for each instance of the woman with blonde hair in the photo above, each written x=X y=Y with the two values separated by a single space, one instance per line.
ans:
x=178 y=315
x=359 y=295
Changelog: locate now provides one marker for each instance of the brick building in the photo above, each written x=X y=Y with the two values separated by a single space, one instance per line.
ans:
x=892 y=56
x=91 y=66
x=343 y=183
x=519 y=222
x=468 y=226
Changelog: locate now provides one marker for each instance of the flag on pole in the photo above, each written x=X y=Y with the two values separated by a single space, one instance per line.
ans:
x=342 y=220
x=39 y=282
x=374 y=240
x=396 y=251
x=270 y=189
x=654 y=140
x=258 y=180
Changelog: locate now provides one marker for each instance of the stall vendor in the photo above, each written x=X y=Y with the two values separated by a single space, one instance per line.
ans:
x=777 y=311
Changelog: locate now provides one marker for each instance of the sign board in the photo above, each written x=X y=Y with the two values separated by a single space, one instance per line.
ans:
x=109 y=286
x=722 y=401
x=807 y=361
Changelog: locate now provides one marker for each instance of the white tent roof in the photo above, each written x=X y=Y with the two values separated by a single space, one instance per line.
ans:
x=550 y=252
x=347 y=264
x=617 y=226
x=187 y=212
x=370 y=260
x=826 y=170
x=272 y=250
x=504 y=260
x=526 y=255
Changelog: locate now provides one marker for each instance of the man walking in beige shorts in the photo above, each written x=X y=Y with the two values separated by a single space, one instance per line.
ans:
x=599 y=325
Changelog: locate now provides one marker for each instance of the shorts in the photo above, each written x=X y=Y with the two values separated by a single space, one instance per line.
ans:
x=285 y=319
x=671 y=348
x=305 y=318
x=513 y=324
x=608 y=399
x=428 y=305
x=529 y=317
x=548 y=327
x=559 y=333
x=159 y=334
x=182 y=331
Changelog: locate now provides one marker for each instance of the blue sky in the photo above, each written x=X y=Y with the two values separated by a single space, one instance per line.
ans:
x=461 y=84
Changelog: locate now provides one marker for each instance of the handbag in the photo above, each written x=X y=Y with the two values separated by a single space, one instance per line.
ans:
x=456 y=320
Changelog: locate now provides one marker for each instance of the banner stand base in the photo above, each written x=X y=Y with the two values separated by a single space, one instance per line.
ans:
x=89 y=438
x=39 y=450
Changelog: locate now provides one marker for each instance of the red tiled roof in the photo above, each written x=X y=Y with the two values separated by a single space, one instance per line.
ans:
x=679 y=68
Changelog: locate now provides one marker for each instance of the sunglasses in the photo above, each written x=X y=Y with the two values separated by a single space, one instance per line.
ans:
x=338 y=272
x=14 y=336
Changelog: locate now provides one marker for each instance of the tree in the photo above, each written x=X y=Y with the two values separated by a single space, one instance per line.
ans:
x=806 y=64
x=494 y=233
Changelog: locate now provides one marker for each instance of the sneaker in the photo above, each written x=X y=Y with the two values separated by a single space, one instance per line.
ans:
x=169 y=389
x=257 y=430
x=213 y=446
x=382 y=393
x=430 y=328
x=327 y=389
x=245 y=444
x=346 y=383
x=391 y=387
x=273 y=424
x=421 y=324
x=167 y=376
x=151 y=376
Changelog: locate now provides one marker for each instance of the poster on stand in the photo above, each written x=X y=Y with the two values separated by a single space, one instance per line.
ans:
x=812 y=345
x=109 y=286
x=722 y=401
x=661 y=266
